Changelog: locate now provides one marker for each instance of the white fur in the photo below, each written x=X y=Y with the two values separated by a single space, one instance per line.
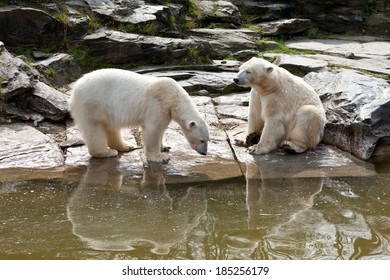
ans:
x=282 y=107
x=104 y=101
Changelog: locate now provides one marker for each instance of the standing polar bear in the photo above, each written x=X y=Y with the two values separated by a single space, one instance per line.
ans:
x=283 y=108
x=105 y=101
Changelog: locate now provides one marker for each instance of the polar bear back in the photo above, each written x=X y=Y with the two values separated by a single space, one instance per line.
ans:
x=108 y=94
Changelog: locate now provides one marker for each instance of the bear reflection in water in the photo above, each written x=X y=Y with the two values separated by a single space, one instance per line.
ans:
x=111 y=212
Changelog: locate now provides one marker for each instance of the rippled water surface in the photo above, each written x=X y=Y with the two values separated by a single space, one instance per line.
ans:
x=114 y=216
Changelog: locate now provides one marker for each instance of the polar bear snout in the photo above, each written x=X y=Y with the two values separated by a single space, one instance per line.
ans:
x=236 y=80
x=202 y=148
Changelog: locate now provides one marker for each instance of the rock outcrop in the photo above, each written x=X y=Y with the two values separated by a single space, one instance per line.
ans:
x=25 y=95
x=357 y=108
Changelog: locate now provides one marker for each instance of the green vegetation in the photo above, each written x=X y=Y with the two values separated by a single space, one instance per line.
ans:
x=85 y=60
x=2 y=79
x=148 y=28
x=193 y=9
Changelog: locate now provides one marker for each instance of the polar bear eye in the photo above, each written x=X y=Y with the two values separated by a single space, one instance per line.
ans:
x=247 y=71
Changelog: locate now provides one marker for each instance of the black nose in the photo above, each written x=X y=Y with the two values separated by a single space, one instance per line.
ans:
x=235 y=80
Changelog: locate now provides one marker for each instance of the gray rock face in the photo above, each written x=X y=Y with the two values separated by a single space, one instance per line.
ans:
x=25 y=147
x=60 y=69
x=299 y=65
x=357 y=108
x=287 y=26
x=28 y=27
x=119 y=48
x=260 y=11
x=226 y=41
x=219 y=12
x=137 y=13
x=25 y=95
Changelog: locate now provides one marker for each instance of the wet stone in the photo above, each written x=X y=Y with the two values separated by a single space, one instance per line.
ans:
x=22 y=146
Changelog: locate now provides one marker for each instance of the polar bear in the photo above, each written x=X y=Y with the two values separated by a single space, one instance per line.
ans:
x=106 y=100
x=282 y=107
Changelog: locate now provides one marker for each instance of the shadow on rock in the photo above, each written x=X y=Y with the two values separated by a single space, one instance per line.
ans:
x=110 y=211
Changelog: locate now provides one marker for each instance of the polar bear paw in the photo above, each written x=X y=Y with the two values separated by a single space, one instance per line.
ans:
x=158 y=159
x=256 y=150
x=252 y=139
x=104 y=154
x=288 y=145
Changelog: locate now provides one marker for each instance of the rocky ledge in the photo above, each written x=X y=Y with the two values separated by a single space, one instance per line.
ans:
x=350 y=74
x=357 y=106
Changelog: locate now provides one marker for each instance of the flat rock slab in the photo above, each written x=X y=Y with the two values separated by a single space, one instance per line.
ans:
x=342 y=46
x=368 y=55
x=22 y=146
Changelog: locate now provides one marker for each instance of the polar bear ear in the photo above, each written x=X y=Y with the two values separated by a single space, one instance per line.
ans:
x=269 y=69
x=191 y=124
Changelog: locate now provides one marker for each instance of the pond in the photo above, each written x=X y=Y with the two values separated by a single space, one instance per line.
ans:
x=115 y=215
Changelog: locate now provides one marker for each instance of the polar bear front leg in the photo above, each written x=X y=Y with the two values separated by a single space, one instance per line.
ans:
x=152 y=139
x=272 y=135
x=255 y=121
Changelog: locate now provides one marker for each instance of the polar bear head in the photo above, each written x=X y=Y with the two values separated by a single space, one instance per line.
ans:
x=197 y=134
x=254 y=72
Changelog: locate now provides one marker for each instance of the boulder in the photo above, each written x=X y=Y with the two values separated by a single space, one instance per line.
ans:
x=286 y=26
x=194 y=81
x=60 y=69
x=16 y=77
x=378 y=24
x=299 y=65
x=357 y=109
x=157 y=18
x=29 y=27
x=47 y=101
x=24 y=95
x=225 y=42
x=260 y=11
x=218 y=12
x=22 y=146
x=119 y=48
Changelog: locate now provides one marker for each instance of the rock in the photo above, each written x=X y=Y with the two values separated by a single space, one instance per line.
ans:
x=260 y=11
x=286 y=26
x=121 y=48
x=331 y=15
x=218 y=12
x=339 y=23
x=22 y=146
x=213 y=82
x=378 y=24
x=15 y=76
x=370 y=53
x=25 y=95
x=299 y=65
x=155 y=17
x=357 y=109
x=60 y=69
x=48 y=102
x=226 y=41
x=29 y=27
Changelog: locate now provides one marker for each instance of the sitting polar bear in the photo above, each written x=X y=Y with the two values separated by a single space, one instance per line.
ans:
x=283 y=108
x=104 y=101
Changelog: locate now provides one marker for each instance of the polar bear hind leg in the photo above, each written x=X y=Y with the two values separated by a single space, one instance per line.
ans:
x=307 y=131
x=115 y=140
x=96 y=139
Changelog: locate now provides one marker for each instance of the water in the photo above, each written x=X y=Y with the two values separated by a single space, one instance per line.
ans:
x=117 y=216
